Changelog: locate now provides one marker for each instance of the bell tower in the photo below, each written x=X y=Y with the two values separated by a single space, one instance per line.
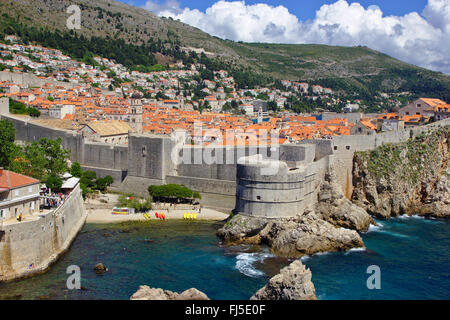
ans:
x=135 y=113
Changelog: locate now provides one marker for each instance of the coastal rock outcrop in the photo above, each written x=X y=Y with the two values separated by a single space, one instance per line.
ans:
x=335 y=208
x=147 y=293
x=405 y=178
x=295 y=237
x=292 y=283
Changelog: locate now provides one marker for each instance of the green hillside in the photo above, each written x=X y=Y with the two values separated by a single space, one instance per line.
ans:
x=357 y=71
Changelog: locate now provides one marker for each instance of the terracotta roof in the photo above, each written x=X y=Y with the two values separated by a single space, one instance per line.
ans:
x=58 y=124
x=110 y=128
x=433 y=102
x=369 y=125
x=12 y=180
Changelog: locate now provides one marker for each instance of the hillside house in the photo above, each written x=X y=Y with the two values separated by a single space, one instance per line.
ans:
x=422 y=106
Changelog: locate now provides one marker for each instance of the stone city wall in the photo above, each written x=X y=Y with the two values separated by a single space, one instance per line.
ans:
x=344 y=147
x=30 y=80
x=30 y=247
x=148 y=159
x=276 y=195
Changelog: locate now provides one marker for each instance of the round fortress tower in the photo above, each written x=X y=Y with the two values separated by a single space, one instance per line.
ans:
x=269 y=188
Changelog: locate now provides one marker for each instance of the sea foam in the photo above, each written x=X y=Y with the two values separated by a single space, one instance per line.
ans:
x=373 y=227
x=245 y=263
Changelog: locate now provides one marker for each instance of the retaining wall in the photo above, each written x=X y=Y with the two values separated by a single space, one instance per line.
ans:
x=40 y=242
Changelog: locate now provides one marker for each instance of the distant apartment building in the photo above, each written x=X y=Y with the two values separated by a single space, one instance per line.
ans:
x=19 y=194
x=60 y=111
x=247 y=108
x=351 y=107
x=316 y=89
x=170 y=104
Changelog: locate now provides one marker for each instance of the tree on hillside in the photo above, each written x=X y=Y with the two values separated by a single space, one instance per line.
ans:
x=8 y=149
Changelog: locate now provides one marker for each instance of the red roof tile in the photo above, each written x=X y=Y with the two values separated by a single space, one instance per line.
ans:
x=12 y=180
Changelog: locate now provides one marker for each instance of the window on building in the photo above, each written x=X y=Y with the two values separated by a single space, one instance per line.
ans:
x=335 y=148
x=16 y=193
x=258 y=197
x=30 y=189
x=347 y=147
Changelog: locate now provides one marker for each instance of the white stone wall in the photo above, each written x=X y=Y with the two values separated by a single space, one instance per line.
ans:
x=29 y=247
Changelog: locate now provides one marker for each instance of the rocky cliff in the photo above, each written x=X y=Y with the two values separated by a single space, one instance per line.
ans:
x=405 y=178
x=334 y=207
x=292 y=283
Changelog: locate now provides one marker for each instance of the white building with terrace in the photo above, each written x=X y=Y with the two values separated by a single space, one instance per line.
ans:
x=19 y=195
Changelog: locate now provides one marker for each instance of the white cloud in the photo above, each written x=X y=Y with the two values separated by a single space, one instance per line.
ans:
x=420 y=39
x=172 y=6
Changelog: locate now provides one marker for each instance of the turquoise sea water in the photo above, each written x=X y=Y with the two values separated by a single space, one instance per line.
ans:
x=412 y=253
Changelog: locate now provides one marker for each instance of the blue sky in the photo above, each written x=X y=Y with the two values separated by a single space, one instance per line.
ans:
x=414 y=31
x=306 y=9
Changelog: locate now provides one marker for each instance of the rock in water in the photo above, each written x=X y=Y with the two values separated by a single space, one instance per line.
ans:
x=292 y=283
x=147 y=293
x=100 y=268
x=295 y=237
x=242 y=229
x=192 y=294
